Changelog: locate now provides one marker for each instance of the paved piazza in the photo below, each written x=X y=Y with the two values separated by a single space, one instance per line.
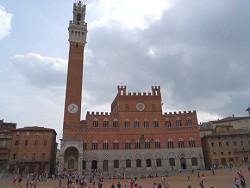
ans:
x=222 y=179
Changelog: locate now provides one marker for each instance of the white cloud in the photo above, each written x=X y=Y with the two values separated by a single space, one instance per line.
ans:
x=207 y=116
x=39 y=70
x=5 y=22
x=129 y=13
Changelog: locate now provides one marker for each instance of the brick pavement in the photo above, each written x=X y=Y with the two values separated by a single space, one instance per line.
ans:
x=222 y=179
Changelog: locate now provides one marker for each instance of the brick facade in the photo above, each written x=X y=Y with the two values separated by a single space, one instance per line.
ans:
x=33 y=150
x=5 y=143
x=135 y=136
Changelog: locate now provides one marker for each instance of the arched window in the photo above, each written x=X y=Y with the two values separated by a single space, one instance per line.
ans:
x=126 y=123
x=115 y=123
x=128 y=163
x=126 y=107
x=157 y=144
x=194 y=161
x=147 y=144
x=105 y=145
x=94 y=145
x=95 y=122
x=170 y=143
x=181 y=143
x=146 y=124
x=116 y=163
x=155 y=123
x=138 y=163
x=116 y=145
x=158 y=162
x=94 y=165
x=127 y=144
x=136 y=123
x=153 y=108
x=171 y=162
x=189 y=122
x=178 y=122
x=191 y=143
x=167 y=123
x=78 y=17
x=137 y=144
x=105 y=123
x=148 y=163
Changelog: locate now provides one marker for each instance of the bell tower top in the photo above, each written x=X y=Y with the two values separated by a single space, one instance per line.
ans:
x=78 y=26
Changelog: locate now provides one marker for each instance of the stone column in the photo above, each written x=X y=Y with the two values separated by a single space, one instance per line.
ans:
x=79 y=164
x=61 y=163
x=88 y=166
x=99 y=166
x=188 y=163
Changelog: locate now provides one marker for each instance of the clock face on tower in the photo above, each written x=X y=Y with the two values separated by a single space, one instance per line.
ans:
x=72 y=108
x=140 y=106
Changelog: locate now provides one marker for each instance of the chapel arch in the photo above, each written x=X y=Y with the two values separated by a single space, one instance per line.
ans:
x=71 y=159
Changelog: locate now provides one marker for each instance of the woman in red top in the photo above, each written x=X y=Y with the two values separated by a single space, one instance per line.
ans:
x=131 y=183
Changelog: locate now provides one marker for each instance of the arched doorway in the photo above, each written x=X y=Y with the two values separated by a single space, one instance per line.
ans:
x=94 y=165
x=71 y=159
x=148 y=163
x=105 y=165
x=183 y=163
x=84 y=165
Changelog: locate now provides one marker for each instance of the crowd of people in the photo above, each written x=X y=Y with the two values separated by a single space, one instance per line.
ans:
x=95 y=180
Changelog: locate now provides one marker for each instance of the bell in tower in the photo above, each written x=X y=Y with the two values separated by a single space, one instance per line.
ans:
x=78 y=26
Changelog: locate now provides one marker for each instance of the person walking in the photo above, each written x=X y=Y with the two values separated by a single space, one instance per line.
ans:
x=100 y=185
x=154 y=185
x=131 y=183
x=202 y=184
x=126 y=184
x=203 y=176
x=213 y=173
x=242 y=182
x=119 y=185
x=188 y=177
x=165 y=183
x=237 y=182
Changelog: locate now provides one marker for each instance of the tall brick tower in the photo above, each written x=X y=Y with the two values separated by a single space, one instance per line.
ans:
x=77 y=40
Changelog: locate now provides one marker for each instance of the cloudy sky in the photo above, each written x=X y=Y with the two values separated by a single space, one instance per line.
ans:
x=197 y=51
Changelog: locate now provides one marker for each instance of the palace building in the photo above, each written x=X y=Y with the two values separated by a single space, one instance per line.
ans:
x=5 y=143
x=226 y=145
x=135 y=136
x=33 y=150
